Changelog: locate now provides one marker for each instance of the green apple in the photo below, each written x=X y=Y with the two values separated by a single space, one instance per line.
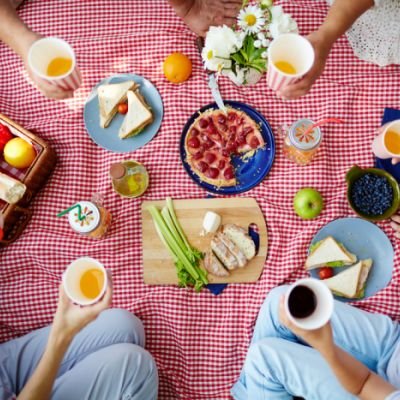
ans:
x=308 y=203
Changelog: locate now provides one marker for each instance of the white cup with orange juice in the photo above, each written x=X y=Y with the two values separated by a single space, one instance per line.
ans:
x=387 y=143
x=85 y=281
x=290 y=57
x=53 y=60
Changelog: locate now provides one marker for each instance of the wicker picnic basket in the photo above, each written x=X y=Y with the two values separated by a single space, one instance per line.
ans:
x=17 y=216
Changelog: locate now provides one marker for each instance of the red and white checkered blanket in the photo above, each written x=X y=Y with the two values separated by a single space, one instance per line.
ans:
x=199 y=341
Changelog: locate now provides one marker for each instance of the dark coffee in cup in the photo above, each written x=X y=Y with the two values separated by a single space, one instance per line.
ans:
x=302 y=302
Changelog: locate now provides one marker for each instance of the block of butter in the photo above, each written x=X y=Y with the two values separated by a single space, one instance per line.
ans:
x=211 y=222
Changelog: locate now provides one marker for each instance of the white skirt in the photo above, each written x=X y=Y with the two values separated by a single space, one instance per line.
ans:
x=375 y=36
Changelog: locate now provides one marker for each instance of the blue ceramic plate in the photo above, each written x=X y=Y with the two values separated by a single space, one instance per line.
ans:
x=108 y=138
x=249 y=173
x=365 y=240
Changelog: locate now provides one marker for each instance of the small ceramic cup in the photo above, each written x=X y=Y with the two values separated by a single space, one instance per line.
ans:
x=45 y=50
x=293 y=49
x=72 y=280
x=323 y=309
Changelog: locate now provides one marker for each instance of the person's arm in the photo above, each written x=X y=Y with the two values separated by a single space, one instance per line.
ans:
x=354 y=376
x=68 y=321
x=199 y=15
x=15 y=34
x=341 y=16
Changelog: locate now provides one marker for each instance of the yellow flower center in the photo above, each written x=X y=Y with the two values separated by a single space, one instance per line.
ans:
x=250 y=19
x=210 y=54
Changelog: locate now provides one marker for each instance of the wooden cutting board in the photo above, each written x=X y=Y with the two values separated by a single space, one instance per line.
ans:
x=158 y=267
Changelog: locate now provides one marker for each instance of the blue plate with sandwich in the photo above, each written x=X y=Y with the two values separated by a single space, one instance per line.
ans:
x=122 y=133
x=357 y=254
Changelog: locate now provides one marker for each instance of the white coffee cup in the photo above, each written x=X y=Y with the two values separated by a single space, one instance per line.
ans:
x=72 y=280
x=43 y=51
x=323 y=304
x=293 y=49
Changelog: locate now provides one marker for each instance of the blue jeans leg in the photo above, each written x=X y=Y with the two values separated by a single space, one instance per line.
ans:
x=277 y=369
x=370 y=338
x=19 y=357
x=121 y=371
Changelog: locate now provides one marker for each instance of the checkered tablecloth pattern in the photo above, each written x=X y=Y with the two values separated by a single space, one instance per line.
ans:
x=199 y=341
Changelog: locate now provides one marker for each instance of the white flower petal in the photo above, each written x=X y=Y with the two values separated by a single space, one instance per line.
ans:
x=265 y=43
x=257 y=44
x=260 y=36
x=282 y=23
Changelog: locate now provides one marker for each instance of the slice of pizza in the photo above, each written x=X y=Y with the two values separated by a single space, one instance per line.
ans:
x=214 y=137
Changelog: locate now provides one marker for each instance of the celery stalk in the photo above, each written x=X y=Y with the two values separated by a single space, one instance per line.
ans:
x=168 y=220
x=157 y=218
x=186 y=257
x=178 y=227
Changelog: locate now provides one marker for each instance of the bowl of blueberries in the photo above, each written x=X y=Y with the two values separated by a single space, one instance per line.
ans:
x=372 y=193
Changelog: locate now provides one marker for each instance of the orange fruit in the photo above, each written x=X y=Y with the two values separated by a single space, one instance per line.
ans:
x=19 y=153
x=177 y=67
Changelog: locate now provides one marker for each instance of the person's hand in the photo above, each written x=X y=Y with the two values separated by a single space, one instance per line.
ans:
x=395 y=160
x=395 y=224
x=49 y=90
x=199 y=15
x=322 y=48
x=321 y=339
x=70 y=318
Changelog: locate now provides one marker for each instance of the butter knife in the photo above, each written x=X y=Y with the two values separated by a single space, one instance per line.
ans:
x=212 y=80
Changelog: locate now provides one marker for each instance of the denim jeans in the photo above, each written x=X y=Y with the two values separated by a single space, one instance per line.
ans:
x=279 y=365
x=106 y=360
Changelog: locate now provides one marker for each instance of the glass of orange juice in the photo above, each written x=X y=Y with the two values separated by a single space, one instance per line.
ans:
x=85 y=281
x=53 y=60
x=290 y=57
x=387 y=143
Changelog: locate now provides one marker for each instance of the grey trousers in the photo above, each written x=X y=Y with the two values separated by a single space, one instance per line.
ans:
x=106 y=360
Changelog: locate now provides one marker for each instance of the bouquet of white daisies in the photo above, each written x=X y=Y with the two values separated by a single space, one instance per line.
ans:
x=241 y=52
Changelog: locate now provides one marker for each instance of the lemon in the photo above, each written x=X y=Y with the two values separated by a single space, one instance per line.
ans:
x=19 y=153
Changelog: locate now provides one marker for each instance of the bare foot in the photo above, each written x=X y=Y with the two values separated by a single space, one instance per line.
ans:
x=199 y=15
x=395 y=224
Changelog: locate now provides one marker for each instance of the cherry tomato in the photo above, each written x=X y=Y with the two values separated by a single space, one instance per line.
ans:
x=122 y=108
x=325 y=273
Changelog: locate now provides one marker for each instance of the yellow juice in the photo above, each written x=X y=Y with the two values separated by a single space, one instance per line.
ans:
x=91 y=283
x=59 y=66
x=392 y=141
x=285 y=67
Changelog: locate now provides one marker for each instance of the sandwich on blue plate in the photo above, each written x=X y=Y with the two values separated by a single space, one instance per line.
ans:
x=350 y=283
x=110 y=95
x=329 y=253
x=138 y=116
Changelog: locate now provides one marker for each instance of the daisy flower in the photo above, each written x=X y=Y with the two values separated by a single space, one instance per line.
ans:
x=251 y=19
x=214 y=62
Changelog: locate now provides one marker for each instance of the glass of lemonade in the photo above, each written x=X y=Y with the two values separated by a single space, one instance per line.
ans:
x=85 y=281
x=53 y=60
x=387 y=143
x=290 y=57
